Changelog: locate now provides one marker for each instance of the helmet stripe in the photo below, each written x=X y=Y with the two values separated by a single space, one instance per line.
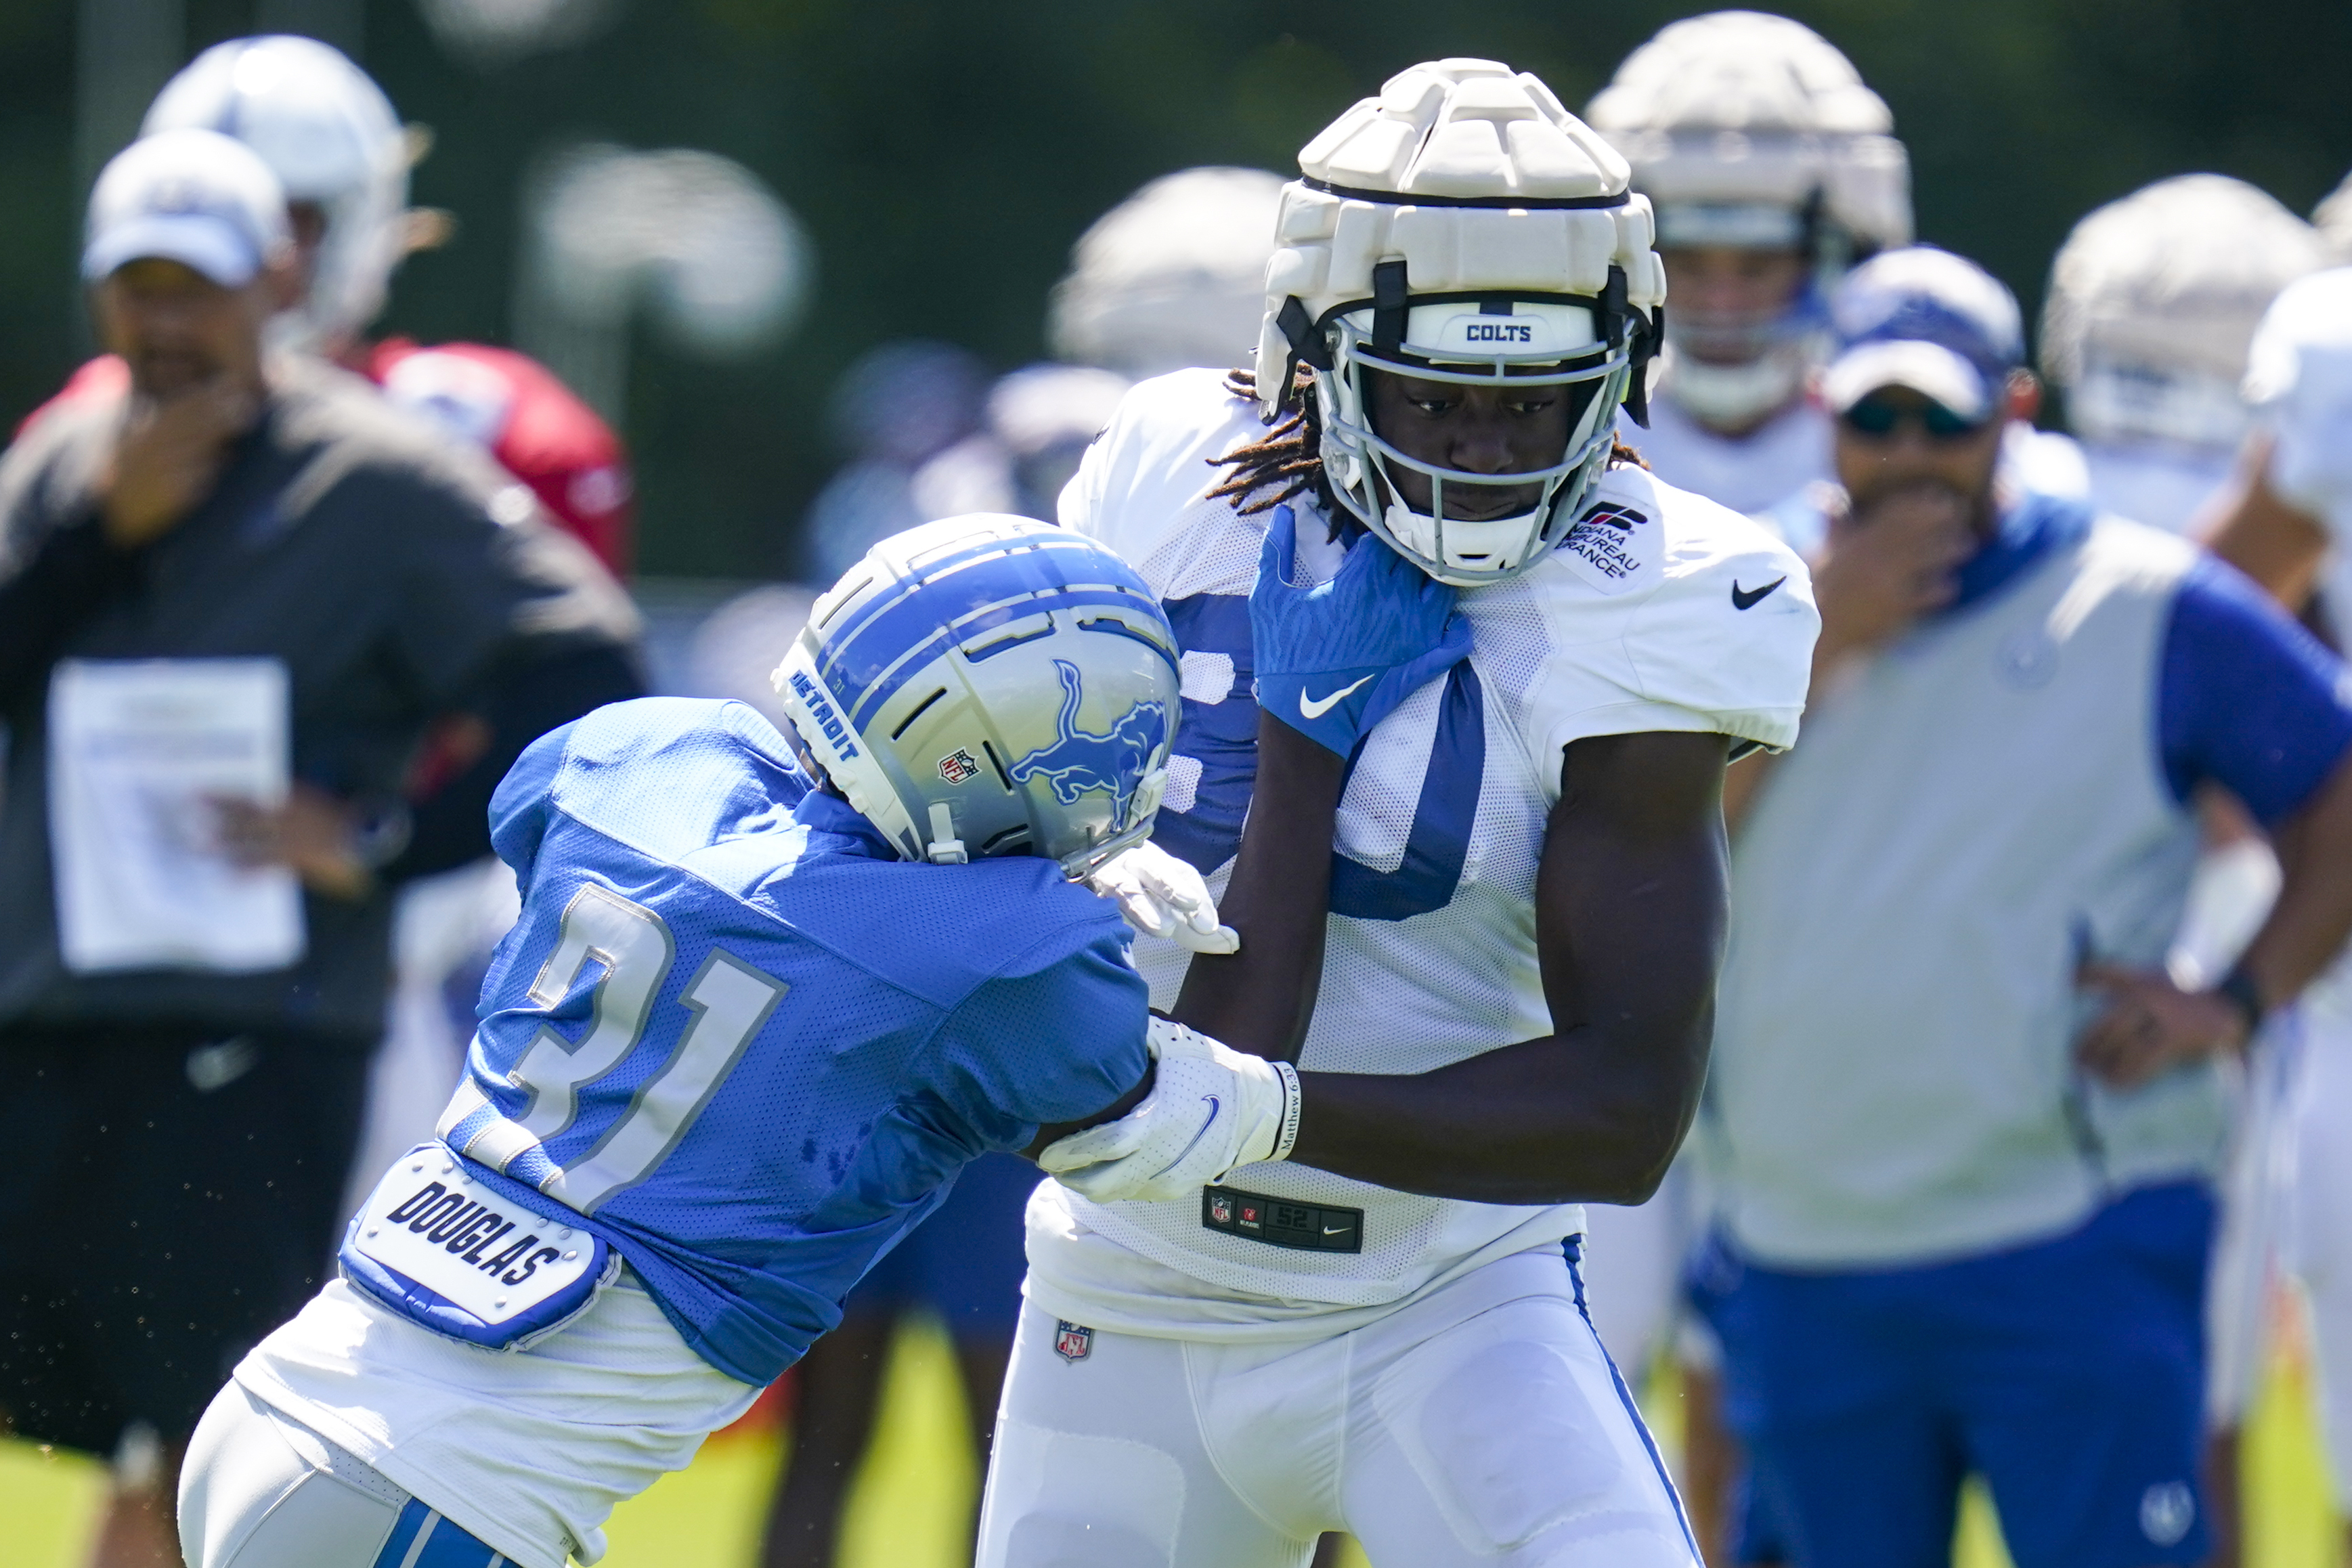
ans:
x=865 y=684
x=1102 y=567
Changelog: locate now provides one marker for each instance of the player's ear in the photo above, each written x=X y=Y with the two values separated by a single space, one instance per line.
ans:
x=2024 y=394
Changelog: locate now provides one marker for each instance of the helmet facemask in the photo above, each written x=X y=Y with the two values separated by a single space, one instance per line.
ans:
x=1592 y=347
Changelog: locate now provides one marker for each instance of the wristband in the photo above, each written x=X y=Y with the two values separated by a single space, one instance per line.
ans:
x=2239 y=989
x=1288 y=1135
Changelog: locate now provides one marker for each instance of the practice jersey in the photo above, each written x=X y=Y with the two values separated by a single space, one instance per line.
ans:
x=1659 y=611
x=507 y=402
x=1746 y=473
x=748 y=1045
x=532 y=423
x=2164 y=487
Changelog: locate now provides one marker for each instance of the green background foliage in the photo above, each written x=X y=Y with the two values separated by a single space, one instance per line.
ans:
x=944 y=156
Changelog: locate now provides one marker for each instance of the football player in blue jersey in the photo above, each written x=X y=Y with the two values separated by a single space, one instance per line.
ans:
x=766 y=997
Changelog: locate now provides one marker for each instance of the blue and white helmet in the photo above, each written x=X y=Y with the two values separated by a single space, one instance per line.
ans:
x=990 y=685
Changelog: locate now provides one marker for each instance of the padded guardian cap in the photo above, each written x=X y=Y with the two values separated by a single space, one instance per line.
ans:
x=1462 y=227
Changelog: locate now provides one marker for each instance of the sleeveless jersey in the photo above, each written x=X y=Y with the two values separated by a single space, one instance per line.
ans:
x=1659 y=611
x=751 y=1049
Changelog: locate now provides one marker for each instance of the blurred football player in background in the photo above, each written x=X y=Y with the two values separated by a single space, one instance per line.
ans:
x=1496 y=1024
x=1173 y=277
x=2288 y=528
x=2151 y=306
x=1772 y=169
x=340 y=150
x=897 y=406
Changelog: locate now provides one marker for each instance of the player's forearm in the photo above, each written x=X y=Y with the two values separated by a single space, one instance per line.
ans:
x=1262 y=998
x=2313 y=915
x=1566 y=1118
x=1631 y=905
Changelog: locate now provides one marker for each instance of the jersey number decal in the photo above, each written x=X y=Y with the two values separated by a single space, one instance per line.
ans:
x=1221 y=737
x=729 y=1001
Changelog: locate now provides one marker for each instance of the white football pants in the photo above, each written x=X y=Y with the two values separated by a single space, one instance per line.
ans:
x=1479 y=1426
x=2320 y=1228
x=261 y=1491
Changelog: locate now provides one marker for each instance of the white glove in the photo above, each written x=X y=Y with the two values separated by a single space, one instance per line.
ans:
x=1162 y=896
x=1210 y=1109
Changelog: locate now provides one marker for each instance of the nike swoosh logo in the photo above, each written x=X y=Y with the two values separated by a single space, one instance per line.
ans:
x=1337 y=1229
x=1310 y=708
x=1204 y=1132
x=1748 y=598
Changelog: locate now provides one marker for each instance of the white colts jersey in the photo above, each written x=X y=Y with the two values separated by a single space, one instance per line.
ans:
x=1746 y=473
x=1659 y=611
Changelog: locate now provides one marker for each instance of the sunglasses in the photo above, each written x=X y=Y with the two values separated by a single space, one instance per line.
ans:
x=1878 y=417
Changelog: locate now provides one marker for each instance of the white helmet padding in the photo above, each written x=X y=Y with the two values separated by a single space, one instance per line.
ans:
x=2153 y=303
x=1169 y=277
x=1752 y=132
x=1462 y=227
x=330 y=135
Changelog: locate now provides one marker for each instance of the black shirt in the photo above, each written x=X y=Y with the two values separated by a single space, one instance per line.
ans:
x=395 y=574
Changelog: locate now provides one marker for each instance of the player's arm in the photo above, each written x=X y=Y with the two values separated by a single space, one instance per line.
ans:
x=2278 y=544
x=1631 y=903
x=2250 y=701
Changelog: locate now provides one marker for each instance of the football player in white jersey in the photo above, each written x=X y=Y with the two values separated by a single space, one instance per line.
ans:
x=1771 y=169
x=2151 y=306
x=1506 y=1009
x=2290 y=528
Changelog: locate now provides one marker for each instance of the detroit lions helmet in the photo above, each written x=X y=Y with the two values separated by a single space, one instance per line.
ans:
x=1752 y=132
x=330 y=136
x=990 y=685
x=2152 y=307
x=1465 y=227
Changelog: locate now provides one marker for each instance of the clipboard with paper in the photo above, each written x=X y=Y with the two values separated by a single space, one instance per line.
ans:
x=139 y=751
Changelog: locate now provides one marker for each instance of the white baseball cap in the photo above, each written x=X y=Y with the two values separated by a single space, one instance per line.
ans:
x=196 y=197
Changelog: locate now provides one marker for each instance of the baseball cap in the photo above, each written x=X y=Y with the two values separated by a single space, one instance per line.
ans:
x=1928 y=319
x=193 y=197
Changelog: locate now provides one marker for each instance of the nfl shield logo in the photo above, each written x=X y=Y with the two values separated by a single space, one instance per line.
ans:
x=1072 y=1343
x=1221 y=1208
x=959 y=767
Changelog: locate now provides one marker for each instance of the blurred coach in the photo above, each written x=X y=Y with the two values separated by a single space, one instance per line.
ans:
x=1965 y=1125
x=230 y=602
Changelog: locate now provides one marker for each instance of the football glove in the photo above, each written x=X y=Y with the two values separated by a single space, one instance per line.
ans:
x=1335 y=659
x=1210 y=1109
x=1164 y=896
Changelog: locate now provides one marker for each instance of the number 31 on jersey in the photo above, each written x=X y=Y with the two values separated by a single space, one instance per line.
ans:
x=726 y=1002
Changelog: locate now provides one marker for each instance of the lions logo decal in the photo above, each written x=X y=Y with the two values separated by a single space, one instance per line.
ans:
x=1079 y=761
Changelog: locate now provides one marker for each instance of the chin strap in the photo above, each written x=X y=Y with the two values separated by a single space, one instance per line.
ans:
x=1640 y=338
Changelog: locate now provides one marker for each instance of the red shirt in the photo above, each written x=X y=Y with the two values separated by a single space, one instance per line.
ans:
x=507 y=401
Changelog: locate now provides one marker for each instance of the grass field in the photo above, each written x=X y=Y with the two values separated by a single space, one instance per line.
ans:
x=909 y=1507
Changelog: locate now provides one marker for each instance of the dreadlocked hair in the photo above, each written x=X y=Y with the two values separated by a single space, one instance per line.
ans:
x=1287 y=460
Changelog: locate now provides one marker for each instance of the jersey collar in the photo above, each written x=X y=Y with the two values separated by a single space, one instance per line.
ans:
x=2029 y=531
x=822 y=813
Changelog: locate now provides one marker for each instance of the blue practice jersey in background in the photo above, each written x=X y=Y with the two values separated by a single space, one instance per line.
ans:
x=746 y=1042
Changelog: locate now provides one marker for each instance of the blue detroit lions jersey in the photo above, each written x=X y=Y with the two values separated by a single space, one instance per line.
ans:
x=751 y=1047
